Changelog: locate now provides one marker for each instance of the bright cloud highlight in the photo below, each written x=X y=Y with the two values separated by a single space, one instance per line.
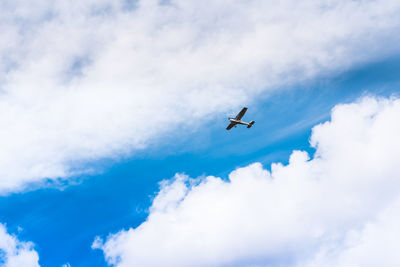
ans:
x=340 y=208
x=15 y=253
x=81 y=81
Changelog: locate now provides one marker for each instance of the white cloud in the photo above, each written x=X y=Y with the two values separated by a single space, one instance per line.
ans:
x=15 y=253
x=81 y=81
x=375 y=244
x=340 y=208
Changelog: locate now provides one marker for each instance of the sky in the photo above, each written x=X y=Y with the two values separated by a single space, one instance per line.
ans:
x=114 y=148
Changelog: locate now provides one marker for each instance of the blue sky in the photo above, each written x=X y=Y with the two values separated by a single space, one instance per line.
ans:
x=113 y=143
x=63 y=220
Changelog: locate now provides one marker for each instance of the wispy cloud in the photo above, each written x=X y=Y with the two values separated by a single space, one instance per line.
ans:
x=95 y=79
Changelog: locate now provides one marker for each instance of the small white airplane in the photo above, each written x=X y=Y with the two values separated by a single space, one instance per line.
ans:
x=237 y=120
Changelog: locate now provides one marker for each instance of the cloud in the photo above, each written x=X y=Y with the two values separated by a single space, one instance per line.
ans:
x=339 y=208
x=374 y=244
x=83 y=81
x=15 y=253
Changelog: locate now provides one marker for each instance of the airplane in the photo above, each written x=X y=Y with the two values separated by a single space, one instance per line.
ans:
x=237 y=120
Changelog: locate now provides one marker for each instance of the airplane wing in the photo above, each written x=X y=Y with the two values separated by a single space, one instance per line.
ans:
x=230 y=126
x=240 y=114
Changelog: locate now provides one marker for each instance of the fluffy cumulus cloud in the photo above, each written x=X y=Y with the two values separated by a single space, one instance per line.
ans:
x=81 y=81
x=339 y=208
x=15 y=253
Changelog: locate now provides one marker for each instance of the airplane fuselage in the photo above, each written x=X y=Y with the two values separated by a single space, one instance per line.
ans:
x=238 y=122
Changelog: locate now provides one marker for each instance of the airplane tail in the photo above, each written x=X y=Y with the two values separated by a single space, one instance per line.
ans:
x=250 y=124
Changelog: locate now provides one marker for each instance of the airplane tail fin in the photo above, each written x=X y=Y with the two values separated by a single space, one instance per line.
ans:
x=250 y=124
